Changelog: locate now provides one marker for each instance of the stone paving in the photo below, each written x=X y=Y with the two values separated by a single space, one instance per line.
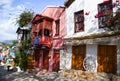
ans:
x=23 y=76
x=64 y=75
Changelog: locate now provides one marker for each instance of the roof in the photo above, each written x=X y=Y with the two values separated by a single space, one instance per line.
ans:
x=68 y=2
x=22 y=29
x=53 y=11
x=40 y=17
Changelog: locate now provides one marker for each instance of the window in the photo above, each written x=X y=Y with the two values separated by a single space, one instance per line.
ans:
x=35 y=34
x=48 y=24
x=56 y=51
x=57 y=27
x=104 y=11
x=46 y=32
x=40 y=32
x=79 y=21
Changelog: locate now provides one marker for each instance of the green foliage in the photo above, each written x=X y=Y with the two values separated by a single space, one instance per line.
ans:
x=22 y=56
x=6 y=46
x=25 y=18
x=25 y=44
x=14 y=43
x=23 y=61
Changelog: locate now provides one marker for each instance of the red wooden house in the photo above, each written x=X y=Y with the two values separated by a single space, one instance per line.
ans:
x=48 y=28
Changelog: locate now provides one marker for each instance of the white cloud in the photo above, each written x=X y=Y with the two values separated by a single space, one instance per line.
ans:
x=5 y=1
x=8 y=19
x=8 y=29
x=20 y=7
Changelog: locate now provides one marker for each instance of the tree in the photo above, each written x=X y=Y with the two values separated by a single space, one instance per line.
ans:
x=25 y=18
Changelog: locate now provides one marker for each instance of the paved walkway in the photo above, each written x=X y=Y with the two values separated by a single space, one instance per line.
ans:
x=22 y=76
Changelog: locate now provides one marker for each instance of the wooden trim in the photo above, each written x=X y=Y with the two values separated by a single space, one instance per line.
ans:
x=78 y=22
x=41 y=17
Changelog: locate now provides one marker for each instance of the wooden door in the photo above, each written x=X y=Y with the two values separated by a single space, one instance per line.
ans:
x=30 y=60
x=78 y=55
x=56 y=61
x=46 y=59
x=107 y=58
x=36 y=56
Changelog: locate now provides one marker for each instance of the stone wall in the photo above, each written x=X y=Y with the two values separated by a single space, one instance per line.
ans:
x=79 y=75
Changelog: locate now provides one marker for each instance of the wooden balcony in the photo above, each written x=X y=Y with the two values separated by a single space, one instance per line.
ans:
x=45 y=41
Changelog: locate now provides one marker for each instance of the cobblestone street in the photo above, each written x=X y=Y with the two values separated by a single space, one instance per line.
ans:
x=64 y=75
x=22 y=76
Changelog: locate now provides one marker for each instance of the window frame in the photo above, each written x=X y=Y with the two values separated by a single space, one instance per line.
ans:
x=57 y=22
x=46 y=32
x=105 y=13
x=79 y=21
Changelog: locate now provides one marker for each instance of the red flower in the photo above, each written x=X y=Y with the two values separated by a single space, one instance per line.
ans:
x=106 y=2
x=117 y=1
x=96 y=16
x=100 y=13
x=87 y=13
x=113 y=5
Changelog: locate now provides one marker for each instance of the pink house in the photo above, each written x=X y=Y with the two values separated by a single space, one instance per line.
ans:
x=48 y=29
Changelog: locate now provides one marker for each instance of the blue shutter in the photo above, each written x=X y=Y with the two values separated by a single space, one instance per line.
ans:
x=36 y=41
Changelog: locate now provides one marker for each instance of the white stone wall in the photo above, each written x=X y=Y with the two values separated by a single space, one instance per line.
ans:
x=118 y=58
x=90 y=24
x=75 y=6
x=66 y=58
x=91 y=50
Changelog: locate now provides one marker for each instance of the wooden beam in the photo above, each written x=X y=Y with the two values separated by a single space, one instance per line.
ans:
x=92 y=36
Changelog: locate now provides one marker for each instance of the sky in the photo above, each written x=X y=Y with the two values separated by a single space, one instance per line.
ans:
x=11 y=9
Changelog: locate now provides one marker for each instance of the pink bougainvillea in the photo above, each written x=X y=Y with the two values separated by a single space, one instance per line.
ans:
x=87 y=13
x=117 y=0
x=96 y=16
x=105 y=2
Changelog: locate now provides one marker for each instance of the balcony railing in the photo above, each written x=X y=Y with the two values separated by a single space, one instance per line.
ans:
x=42 y=41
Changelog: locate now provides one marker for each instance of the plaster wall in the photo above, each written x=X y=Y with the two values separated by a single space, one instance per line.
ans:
x=91 y=50
x=90 y=26
x=118 y=57
x=57 y=13
x=90 y=23
x=66 y=58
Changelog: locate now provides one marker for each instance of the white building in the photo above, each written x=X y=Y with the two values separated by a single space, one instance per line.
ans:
x=86 y=36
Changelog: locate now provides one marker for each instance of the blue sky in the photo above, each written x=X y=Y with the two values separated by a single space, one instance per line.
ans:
x=11 y=9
